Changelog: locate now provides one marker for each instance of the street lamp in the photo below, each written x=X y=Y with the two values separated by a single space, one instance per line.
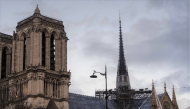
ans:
x=103 y=74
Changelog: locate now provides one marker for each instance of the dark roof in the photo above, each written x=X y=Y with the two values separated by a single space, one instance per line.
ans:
x=51 y=105
x=43 y=17
x=5 y=36
x=142 y=103
x=78 y=101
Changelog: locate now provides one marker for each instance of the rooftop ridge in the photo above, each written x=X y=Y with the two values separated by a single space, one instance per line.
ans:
x=25 y=19
x=51 y=17
x=5 y=35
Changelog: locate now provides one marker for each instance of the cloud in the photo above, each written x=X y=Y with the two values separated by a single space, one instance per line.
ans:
x=183 y=103
x=180 y=80
x=6 y=29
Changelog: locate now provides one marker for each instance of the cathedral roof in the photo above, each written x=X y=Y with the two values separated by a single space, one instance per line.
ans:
x=144 y=103
x=78 y=101
x=37 y=14
x=5 y=36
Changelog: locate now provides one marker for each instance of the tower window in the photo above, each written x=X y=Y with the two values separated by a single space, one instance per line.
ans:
x=24 y=53
x=52 y=53
x=43 y=49
x=3 y=63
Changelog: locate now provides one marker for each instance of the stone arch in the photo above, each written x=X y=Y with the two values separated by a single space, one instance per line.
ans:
x=46 y=31
x=55 y=33
x=166 y=105
x=5 y=62
x=23 y=35
x=8 y=48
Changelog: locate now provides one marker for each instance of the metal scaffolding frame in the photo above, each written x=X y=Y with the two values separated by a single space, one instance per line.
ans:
x=123 y=96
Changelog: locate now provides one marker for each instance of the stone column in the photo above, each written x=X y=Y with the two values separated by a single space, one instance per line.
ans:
x=8 y=64
x=61 y=88
x=36 y=49
x=57 y=90
x=29 y=77
x=40 y=47
x=31 y=48
x=13 y=55
x=64 y=54
x=47 y=52
x=58 y=55
x=28 y=49
x=51 y=88
x=40 y=82
x=12 y=89
x=21 y=55
x=17 y=55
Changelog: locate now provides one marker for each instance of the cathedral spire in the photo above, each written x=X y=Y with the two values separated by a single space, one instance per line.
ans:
x=122 y=72
x=37 y=11
x=174 y=99
x=122 y=69
x=153 y=101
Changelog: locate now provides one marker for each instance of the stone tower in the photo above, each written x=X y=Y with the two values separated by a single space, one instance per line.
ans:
x=122 y=71
x=38 y=77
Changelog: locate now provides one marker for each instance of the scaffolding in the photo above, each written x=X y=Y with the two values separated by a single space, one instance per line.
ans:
x=123 y=96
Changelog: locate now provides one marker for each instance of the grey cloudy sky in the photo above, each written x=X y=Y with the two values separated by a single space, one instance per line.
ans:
x=155 y=33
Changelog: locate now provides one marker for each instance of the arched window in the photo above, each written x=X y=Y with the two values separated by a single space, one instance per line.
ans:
x=3 y=63
x=52 y=52
x=24 y=53
x=166 y=105
x=43 y=49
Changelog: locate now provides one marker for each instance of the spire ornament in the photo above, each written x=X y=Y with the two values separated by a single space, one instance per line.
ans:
x=37 y=11
x=164 y=87
x=153 y=101
x=174 y=98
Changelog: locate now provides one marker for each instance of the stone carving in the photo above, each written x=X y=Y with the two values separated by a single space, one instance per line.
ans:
x=8 y=41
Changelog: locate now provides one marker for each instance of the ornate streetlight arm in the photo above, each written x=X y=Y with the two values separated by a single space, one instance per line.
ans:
x=103 y=74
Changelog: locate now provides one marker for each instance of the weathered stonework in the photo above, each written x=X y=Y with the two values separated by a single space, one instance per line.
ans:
x=29 y=79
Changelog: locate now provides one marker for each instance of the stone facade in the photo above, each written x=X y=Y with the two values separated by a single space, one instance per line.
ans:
x=33 y=68
x=165 y=101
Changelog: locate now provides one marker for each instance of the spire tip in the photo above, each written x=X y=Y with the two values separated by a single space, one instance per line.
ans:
x=37 y=10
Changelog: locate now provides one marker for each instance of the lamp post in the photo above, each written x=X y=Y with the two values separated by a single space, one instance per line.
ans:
x=103 y=74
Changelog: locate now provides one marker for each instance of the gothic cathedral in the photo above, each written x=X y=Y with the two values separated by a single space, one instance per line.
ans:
x=34 y=65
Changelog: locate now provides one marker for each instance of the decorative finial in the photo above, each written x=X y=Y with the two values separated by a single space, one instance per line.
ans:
x=37 y=11
x=174 y=98
x=173 y=92
x=164 y=87
x=152 y=84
